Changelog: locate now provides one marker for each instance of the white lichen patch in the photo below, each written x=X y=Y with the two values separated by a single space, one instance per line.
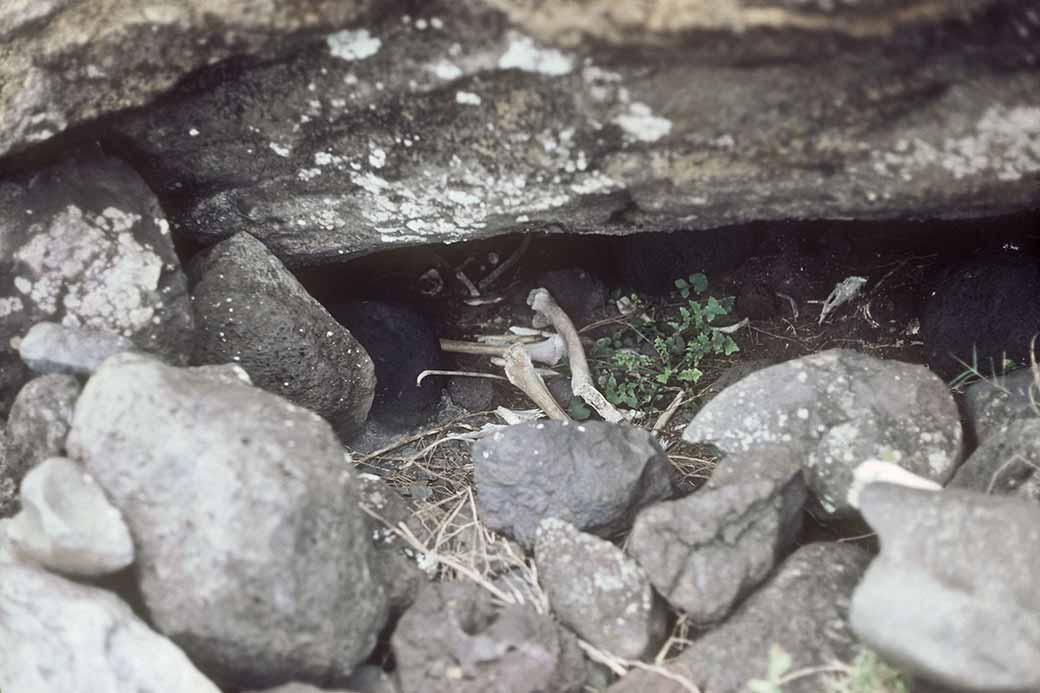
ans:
x=1005 y=144
x=640 y=123
x=445 y=69
x=523 y=53
x=467 y=98
x=91 y=271
x=10 y=305
x=353 y=45
x=280 y=149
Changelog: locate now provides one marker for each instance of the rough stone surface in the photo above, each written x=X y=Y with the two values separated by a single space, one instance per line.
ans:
x=8 y=486
x=67 y=525
x=454 y=640
x=706 y=551
x=52 y=348
x=991 y=405
x=472 y=394
x=953 y=597
x=981 y=311
x=64 y=62
x=803 y=608
x=297 y=688
x=452 y=124
x=594 y=475
x=58 y=635
x=253 y=312
x=597 y=591
x=578 y=292
x=402 y=343
x=84 y=243
x=252 y=551
x=1006 y=464
x=38 y=424
x=835 y=410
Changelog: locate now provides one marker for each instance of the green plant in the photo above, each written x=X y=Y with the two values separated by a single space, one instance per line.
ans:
x=867 y=673
x=671 y=350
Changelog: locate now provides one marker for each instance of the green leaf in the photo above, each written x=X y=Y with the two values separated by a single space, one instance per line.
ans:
x=664 y=376
x=681 y=284
x=760 y=686
x=690 y=375
x=699 y=282
x=779 y=662
x=730 y=347
x=577 y=409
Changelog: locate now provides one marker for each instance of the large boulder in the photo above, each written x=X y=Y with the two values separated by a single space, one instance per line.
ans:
x=594 y=475
x=252 y=550
x=66 y=62
x=991 y=405
x=84 y=243
x=469 y=119
x=58 y=635
x=1006 y=464
x=252 y=311
x=835 y=410
x=953 y=597
x=802 y=609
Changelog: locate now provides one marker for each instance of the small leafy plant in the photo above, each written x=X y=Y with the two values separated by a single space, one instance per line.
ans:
x=671 y=349
x=866 y=674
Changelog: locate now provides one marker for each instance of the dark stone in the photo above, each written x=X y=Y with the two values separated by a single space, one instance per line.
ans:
x=980 y=312
x=578 y=292
x=993 y=404
x=650 y=263
x=594 y=475
x=1005 y=464
x=402 y=343
x=253 y=312
x=472 y=394
x=455 y=640
x=953 y=596
x=802 y=608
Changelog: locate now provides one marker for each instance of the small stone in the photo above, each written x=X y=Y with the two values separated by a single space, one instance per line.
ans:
x=52 y=348
x=992 y=404
x=472 y=394
x=1007 y=463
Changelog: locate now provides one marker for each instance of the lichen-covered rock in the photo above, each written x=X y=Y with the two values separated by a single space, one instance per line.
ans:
x=594 y=475
x=803 y=609
x=953 y=597
x=452 y=123
x=252 y=550
x=455 y=640
x=38 y=424
x=251 y=311
x=65 y=62
x=86 y=244
x=67 y=525
x=993 y=404
x=1007 y=463
x=59 y=635
x=598 y=591
x=52 y=348
x=835 y=410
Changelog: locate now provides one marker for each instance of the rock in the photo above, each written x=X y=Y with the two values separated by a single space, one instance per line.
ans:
x=52 y=348
x=86 y=244
x=8 y=486
x=402 y=343
x=802 y=608
x=980 y=312
x=834 y=410
x=952 y=597
x=230 y=373
x=482 y=123
x=472 y=394
x=58 y=635
x=297 y=688
x=67 y=524
x=578 y=292
x=394 y=560
x=66 y=63
x=38 y=424
x=252 y=551
x=594 y=475
x=991 y=405
x=372 y=679
x=253 y=312
x=455 y=640
x=597 y=591
x=1005 y=464
x=708 y=550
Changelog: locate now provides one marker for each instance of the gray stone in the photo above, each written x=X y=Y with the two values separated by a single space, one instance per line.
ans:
x=298 y=688
x=802 y=608
x=67 y=524
x=371 y=679
x=953 y=597
x=708 y=550
x=1007 y=463
x=472 y=394
x=84 y=243
x=38 y=424
x=597 y=591
x=58 y=635
x=8 y=486
x=66 y=62
x=252 y=551
x=52 y=348
x=474 y=119
x=455 y=640
x=253 y=312
x=594 y=475
x=835 y=410
x=991 y=404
